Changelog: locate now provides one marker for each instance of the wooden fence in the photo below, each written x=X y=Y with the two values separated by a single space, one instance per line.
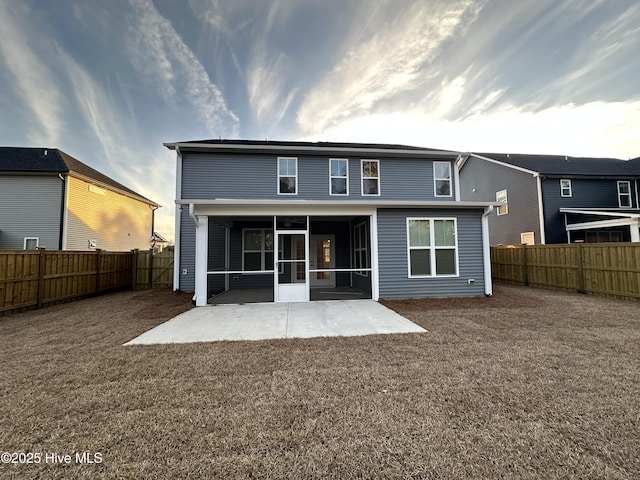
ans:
x=37 y=278
x=152 y=271
x=611 y=269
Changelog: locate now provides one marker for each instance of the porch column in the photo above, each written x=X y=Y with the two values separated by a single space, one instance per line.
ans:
x=635 y=230
x=375 y=275
x=202 y=247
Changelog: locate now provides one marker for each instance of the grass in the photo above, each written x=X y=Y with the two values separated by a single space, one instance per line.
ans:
x=528 y=384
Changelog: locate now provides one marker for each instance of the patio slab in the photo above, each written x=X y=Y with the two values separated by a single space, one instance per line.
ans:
x=262 y=321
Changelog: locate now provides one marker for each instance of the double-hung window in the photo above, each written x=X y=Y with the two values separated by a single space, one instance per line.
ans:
x=442 y=179
x=339 y=176
x=370 y=177
x=432 y=247
x=501 y=197
x=287 y=175
x=624 y=193
x=257 y=249
x=565 y=187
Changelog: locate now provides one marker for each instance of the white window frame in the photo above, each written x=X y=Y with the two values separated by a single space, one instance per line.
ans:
x=432 y=247
x=26 y=239
x=524 y=235
x=363 y=178
x=263 y=250
x=620 y=195
x=565 y=190
x=436 y=179
x=281 y=176
x=503 y=209
x=361 y=251
x=346 y=177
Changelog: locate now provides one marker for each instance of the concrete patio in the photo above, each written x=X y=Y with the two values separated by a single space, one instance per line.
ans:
x=262 y=321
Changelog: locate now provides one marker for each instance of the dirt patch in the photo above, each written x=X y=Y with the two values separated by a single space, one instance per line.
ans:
x=527 y=384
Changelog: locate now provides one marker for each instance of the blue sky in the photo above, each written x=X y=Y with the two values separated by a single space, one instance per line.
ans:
x=108 y=81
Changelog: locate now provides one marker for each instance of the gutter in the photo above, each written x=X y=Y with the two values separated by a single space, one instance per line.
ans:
x=486 y=252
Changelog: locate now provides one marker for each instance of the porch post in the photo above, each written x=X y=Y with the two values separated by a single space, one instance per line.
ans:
x=202 y=241
x=635 y=230
x=375 y=276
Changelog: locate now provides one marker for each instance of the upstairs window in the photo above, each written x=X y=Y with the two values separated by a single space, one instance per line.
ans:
x=287 y=175
x=565 y=187
x=370 y=177
x=338 y=176
x=501 y=197
x=433 y=247
x=624 y=193
x=442 y=179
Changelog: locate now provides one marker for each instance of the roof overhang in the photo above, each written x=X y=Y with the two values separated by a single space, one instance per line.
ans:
x=310 y=149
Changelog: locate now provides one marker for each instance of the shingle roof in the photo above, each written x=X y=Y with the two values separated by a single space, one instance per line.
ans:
x=565 y=165
x=52 y=160
x=335 y=145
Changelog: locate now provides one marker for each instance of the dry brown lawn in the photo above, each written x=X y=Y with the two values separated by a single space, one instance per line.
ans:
x=528 y=384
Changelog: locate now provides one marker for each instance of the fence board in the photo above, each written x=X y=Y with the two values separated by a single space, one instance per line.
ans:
x=611 y=269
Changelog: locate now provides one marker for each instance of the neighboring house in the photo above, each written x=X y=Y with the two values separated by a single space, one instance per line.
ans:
x=52 y=200
x=298 y=219
x=158 y=242
x=553 y=198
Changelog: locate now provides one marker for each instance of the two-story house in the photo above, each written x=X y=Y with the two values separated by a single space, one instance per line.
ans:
x=50 y=199
x=300 y=221
x=554 y=198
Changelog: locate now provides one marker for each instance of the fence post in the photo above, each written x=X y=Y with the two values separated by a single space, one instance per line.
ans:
x=581 y=284
x=526 y=266
x=150 y=278
x=98 y=261
x=41 y=269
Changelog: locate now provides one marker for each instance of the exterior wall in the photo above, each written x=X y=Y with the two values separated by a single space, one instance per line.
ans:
x=392 y=256
x=480 y=180
x=31 y=207
x=116 y=222
x=586 y=193
x=187 y=267
x=208 y=175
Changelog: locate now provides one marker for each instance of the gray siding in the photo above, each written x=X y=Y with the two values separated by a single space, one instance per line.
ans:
x=480 y=180
x=392 y=255
x=208 y=176
x=187 y=252
x=586 y=193
x=31 y=207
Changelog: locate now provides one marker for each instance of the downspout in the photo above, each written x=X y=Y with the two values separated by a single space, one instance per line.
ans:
x=486 y=251
x=63 y=213
x=543 y=238
x=192 y=214
x=153 y=226
x=177 y=219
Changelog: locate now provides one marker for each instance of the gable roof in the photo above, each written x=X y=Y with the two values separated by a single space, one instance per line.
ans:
x=54 y=161
x=308 y=147
x=566 y=165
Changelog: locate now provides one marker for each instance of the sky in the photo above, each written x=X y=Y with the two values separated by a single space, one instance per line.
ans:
x=109 y=81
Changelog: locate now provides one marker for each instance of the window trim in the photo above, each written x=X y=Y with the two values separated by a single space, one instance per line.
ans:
x=433 y=247
x=346 y=177
x=436 y=179
x=263 y=250
x=506 y=203
x=563 y=188
x=357 y=249
x=620 y=182
x=281 y=176
x=363 y=178
x=24 y=243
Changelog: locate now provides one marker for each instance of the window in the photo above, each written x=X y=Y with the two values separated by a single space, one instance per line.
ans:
x=338 y=176
x=287 y=175
x=528 y=238
x=442 y=179
x=624 y=193
x=31 y=243
x=501 y=197
x=370 y=177
x=257 y=249
x=565 y=187
x=360 y=250
x=432 y=247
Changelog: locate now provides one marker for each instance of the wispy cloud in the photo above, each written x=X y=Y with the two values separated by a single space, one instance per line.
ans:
x=33 y=78
x=384 y=60
x=159 y=54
